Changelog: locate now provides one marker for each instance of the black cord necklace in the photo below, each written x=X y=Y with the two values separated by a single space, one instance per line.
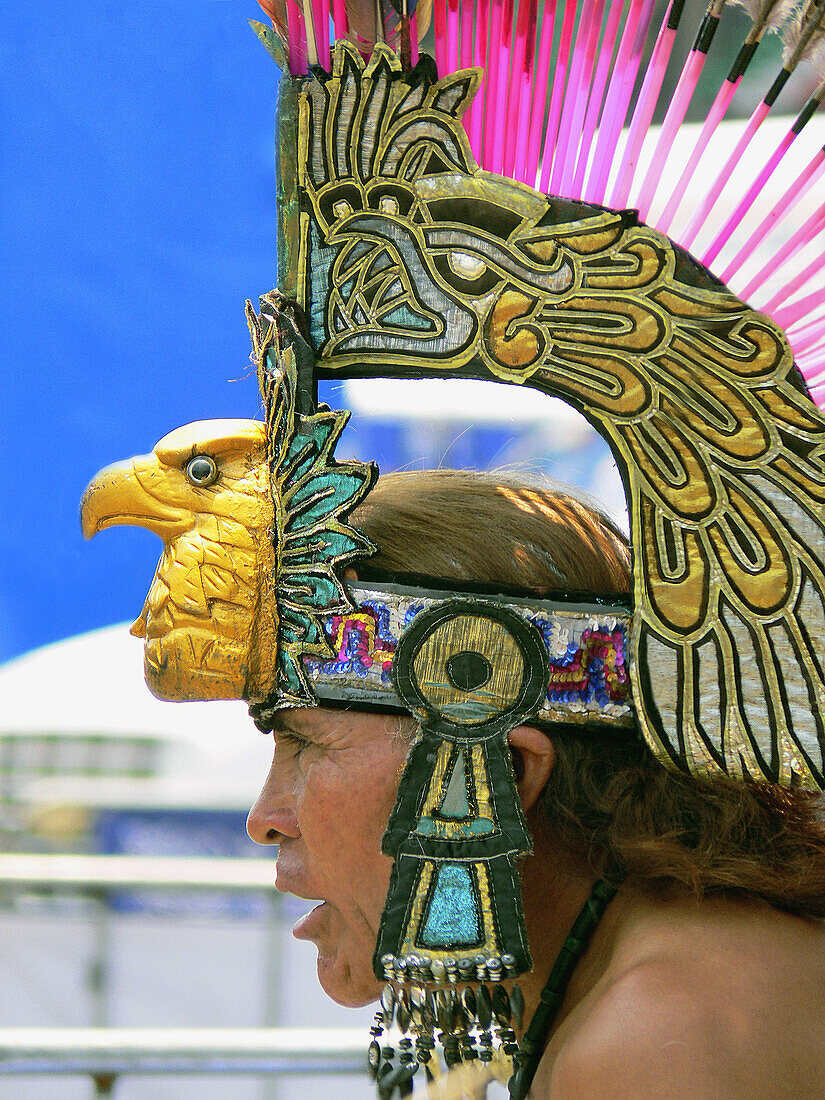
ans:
x=532 y=1045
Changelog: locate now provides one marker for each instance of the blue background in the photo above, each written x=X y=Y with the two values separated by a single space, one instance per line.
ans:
x=137 y=214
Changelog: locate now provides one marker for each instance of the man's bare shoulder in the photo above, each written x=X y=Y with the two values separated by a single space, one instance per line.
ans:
x=650 y=1033
x=718 y=1003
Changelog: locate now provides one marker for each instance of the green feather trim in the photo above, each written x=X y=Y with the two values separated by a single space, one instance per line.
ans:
x=312 y=496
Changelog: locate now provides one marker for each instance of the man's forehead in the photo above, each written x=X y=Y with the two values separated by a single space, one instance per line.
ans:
x=310 y=718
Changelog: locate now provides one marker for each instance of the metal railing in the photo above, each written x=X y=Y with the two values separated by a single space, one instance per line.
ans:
x=105 y=1053
x=99 y=877
x=112 y=1052
x=108 y=874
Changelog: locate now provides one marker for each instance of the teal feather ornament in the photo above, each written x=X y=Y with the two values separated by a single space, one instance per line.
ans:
x=312 y=495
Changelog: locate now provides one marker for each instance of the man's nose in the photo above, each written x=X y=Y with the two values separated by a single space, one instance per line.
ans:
x=272 y=818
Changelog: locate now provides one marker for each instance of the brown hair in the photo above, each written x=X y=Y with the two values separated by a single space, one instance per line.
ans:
x=609 y=802
x=462 y=525
x=613 y=804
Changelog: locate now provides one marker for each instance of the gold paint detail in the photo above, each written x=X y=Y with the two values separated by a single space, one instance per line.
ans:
x=481 y=785
x=677 y=571
x=793 y=410
x=479 y=796
x=511 y=341
x=752 y=554
x=435 y=791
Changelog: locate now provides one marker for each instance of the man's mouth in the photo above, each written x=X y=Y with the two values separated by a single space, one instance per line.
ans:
x=287 y=883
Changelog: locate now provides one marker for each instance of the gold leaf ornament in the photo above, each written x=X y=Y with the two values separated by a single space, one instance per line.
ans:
x=697 y=395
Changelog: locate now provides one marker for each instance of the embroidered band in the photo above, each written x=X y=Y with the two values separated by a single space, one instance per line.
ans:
x=586 y=650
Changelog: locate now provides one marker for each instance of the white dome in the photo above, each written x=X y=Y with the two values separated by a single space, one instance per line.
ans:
x=92 y=686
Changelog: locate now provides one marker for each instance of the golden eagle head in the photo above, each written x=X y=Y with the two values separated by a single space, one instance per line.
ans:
x=210 y=618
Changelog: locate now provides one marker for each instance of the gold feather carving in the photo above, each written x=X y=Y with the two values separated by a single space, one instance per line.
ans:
x=721 y=451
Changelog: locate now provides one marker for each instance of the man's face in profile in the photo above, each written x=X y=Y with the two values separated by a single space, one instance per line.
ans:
x=325 y=804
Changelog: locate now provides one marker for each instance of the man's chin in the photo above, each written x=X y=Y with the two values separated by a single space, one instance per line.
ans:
x=342 y=985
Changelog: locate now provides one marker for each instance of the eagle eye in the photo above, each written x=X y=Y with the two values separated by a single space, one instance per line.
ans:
x=201 y=470
x=465 y=265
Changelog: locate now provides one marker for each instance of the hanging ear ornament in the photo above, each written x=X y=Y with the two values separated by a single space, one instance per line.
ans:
x=469 y=671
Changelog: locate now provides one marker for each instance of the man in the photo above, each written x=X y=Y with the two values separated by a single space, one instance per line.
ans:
x=492 y=749
x=705 y=975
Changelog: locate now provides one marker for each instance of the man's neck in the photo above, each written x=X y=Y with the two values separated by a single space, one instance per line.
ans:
x=553 y=894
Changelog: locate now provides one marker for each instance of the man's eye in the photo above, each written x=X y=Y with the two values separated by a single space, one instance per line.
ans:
x=291 y=740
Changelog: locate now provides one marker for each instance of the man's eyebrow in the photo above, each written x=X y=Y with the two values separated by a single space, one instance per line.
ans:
x=280 y=723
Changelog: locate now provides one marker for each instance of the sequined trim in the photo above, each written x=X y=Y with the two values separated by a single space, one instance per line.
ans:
x=586 y=647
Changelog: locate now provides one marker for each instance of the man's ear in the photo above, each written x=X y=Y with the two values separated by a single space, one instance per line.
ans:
x=534 y=756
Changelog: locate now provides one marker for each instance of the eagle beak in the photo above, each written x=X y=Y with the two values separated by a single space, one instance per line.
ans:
x=132 y=494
